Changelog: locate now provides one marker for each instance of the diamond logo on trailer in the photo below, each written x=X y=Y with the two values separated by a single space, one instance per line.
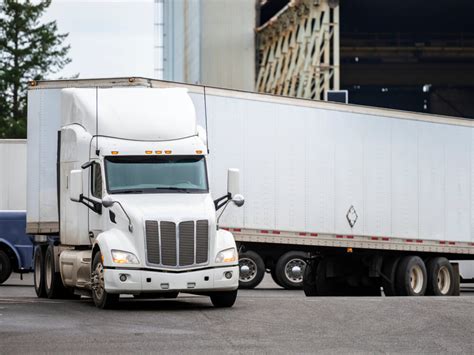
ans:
x=352 y=216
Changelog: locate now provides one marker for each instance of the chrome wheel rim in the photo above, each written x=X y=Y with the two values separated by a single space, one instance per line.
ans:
x=294 y=270
x=444 y=280
x=49 y=272
x=248 y=269
x=97 y=281
x=37 y=272
x=416 y=278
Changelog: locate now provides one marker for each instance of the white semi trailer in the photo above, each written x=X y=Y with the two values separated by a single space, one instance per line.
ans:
x=118 y=196
x=365 y=197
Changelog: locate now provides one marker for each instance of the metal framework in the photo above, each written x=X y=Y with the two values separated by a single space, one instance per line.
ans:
x=299 y=50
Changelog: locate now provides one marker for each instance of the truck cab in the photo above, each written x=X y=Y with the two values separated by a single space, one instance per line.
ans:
x=136 y=215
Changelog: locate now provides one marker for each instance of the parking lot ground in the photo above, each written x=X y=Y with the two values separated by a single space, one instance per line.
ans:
x=265 y=320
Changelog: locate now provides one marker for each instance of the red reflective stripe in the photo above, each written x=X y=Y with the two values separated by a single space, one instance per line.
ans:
x=442 y=242
x=419 y=241
x=349 y=236
x=275 y=232
x=302 y=234
x=409 y=240
x=237 y=230
x=226 y=229
x=264 y=232
x=451 y=243
x=339 y=236
x=374 y=238
x=314 y=234
x=385 y=239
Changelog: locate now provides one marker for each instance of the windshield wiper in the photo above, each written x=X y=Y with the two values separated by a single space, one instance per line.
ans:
x=127 y=192
x=173 y=188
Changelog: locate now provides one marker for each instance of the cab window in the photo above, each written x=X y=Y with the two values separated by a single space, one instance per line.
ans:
x=96 y=181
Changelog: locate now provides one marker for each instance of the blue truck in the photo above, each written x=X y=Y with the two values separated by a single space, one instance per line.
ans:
x=16 y=247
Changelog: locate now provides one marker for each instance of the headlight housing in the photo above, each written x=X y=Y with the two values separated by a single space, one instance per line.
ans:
x=124 y=257
x=227 y=256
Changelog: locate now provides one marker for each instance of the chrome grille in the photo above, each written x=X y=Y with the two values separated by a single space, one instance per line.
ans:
x=184 y=246
x=168 y=243
x=152 y=242
x=202 y=241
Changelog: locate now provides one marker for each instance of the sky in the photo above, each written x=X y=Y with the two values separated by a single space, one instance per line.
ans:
x=108 y=38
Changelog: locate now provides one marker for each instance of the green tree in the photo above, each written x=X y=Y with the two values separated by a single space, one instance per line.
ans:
x=29 y=50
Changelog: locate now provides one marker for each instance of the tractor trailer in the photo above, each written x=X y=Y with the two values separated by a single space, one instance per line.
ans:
x=340 y=199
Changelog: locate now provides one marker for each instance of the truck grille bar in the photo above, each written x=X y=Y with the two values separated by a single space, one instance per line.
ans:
x=177 y=245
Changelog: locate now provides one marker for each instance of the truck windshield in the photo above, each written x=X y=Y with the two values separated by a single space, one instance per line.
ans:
x=155 y=174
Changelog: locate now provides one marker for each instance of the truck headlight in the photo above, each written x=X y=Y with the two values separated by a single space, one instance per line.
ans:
x=123 y=257
x=227 y=256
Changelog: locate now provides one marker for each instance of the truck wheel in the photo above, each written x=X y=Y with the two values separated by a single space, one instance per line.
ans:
x=309 y=279
x=53 y=284
x=5 y=267
x=251 y=269
x=440 y=277
x=274 y=277
x=224 y=299
x=411 y=278
x=290 y=268
x=102 y=299
x=389 y=270
x=38 y=274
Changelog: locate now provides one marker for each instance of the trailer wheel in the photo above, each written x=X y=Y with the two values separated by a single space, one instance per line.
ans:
x=223 y=299
x=251 y=269
x=389 y=270
x=289 y=269
x=309 y=278
x=38 y=274
x=52 y=280
x=440 y=277
x=411 y=279
x=274 y=277
x=102 y=299
x=5 y=267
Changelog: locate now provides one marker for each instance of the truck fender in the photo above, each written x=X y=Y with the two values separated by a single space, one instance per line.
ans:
x=110 y=240
x=5 y=244
x=224 y=240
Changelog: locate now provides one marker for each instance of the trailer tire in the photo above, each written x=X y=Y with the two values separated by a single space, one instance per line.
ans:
x=274 y=277
x=440 y=277
x=411 y=279
x=251 y=269
x=102 y=299
x=5 y=267
x=289 y=269
x=309 y=278
x=223 y=299
x=389 y=270
x=38 y=272
x=53 y=284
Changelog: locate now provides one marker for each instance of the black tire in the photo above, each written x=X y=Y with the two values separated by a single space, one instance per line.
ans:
x=224 y=299
x=53 y=284
x=274 y=277
x=102 y=299
x=389 y=270
x=5 y=267
x=284 y=267
x=411 y=278
x=38 y=272
x=256 y=271
x=441 y=280
x=309 y=279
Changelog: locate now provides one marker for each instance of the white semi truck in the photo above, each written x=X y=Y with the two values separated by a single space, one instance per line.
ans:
x=118 y=196
x=365 y=197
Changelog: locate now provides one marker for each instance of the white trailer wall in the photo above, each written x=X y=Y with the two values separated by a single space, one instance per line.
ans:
x=12 y=174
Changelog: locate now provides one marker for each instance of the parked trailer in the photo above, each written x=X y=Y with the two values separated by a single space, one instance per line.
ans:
x=368 y=197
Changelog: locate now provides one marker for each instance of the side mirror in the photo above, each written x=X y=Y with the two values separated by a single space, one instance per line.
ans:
x=233 y=182
x=75 y=185
x=238 y=200
x=107 y=202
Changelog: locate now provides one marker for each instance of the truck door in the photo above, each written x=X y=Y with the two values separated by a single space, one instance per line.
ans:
x=96 y=192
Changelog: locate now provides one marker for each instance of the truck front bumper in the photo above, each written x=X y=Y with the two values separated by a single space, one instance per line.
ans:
x=135 y=281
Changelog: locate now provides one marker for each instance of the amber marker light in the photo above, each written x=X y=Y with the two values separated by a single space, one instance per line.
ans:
x=167 y=151
x=114 y=152
x=158 y=151
x=148 y=151
x=198 y=151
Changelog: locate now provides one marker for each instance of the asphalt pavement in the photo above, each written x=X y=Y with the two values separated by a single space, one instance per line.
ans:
x=265 y=320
